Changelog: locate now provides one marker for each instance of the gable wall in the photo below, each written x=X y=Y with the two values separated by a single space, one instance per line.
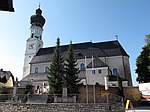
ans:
x=97 y=77
x=41 y=67
x=116 y=62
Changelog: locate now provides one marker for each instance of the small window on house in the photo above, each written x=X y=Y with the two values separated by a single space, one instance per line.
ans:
x=115 y=72
x=46 y=69
x=82 y=66
x=99 y=71
x=93 y=71
x=36 y=70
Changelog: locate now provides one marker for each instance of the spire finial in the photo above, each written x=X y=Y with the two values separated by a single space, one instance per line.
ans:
x=39 y=5
x=116 y=37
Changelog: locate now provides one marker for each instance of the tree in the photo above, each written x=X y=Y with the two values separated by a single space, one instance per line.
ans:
x=147 y=38
x=143 y=64
x=71 y=72
x=56 y=71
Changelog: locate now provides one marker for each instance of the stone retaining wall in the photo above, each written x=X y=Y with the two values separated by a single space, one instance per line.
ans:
x=8 y=107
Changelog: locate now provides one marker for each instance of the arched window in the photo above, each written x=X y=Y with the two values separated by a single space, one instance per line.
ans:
x=36 y=70
x=46 y=69
x=82 y=66
x=115 y=72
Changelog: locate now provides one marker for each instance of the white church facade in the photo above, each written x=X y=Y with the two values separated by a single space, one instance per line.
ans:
x=95 y=60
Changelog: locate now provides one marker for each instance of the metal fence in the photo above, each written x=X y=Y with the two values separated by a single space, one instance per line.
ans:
x=112 y=102
x=58 y=98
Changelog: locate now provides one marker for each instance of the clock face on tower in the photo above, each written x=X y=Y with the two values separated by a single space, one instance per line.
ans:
x=31 y=46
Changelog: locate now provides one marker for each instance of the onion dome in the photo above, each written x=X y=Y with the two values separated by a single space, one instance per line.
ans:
x=37 y=19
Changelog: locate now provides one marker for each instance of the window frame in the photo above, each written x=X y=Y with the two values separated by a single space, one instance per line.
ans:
x=82 y=66
x=99 y=71
x=115 y=72
x=93 y=71
x=46 y=69
x=36 y=70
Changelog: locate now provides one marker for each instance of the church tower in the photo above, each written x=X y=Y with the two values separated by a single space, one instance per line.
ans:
x=34 y=42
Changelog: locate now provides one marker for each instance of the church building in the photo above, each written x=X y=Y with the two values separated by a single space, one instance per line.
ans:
x=95 y=60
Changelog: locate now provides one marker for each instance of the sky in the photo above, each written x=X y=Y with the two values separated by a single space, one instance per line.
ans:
x=76 y=20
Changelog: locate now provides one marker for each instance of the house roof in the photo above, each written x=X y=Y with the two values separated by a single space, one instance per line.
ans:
x=5 y=75
x=43 y=76
x=36 y=77
x=88 y=49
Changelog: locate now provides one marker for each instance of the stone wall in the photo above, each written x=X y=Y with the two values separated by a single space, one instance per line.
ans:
x=7 y=107
x=133 y=94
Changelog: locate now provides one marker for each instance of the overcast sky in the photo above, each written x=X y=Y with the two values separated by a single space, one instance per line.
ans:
x=76 y=20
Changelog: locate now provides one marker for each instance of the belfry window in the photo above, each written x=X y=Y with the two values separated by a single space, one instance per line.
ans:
x=36 y=70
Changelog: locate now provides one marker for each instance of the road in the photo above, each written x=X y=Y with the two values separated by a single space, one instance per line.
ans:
x=140 y=109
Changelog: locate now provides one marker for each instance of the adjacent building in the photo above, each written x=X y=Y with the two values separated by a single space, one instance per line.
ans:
x=6 y=79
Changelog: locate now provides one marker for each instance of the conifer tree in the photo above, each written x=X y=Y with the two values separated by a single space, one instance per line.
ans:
x=56 y=71
x=143 y=62
x=71 y=72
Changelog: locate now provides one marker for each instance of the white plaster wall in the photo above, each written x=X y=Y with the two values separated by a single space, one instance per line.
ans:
x=41 y=67
x=37 y=43
x=27 y=60
x=8 y=84
x=112 y=62
x=103 y=59
x=97 y=77
x=85 y=62
x=116 y=62
x=26 y=71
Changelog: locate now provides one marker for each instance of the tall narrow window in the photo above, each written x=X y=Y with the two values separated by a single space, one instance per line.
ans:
x=36 y=70
x=99 y=71
x=46 y=69
x=93 y=71
x=82 y=66
x=115 y=72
